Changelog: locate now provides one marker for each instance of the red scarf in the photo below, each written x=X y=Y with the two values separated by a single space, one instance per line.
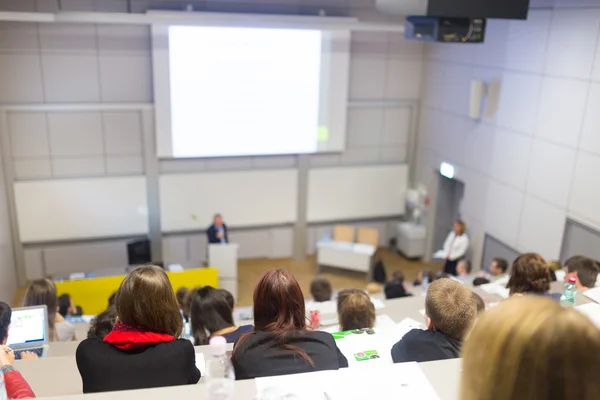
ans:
x=127 y=337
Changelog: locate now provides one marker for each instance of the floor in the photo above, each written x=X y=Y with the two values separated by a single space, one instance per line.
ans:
x=249 y=271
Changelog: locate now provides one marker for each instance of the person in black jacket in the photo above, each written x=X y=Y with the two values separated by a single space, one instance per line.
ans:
x=281 y=343
x=217 y=232
x=396 y=288
x=142 y=350
x=451 y=312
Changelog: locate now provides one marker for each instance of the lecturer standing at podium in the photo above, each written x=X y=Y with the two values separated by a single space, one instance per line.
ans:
x=217 y=232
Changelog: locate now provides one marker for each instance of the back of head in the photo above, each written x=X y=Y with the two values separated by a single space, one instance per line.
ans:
x=398 y=276
x=146 y=300
x=465 y=266
x=479 y=303
x=529 y=274
x=5 y=315
x=531 y=348
x=43 y=292
x=320 y=289
x=64 y=302
x=210 y=312
x=355 y=310
x=501 y=264
x=229 y=297
x=586 y=268
x=111 y=299
x=180 y=295
x=450 y=307
x=103 y=324
x=480 y=281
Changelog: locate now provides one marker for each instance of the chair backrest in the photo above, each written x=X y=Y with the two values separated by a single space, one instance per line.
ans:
x=343 y=233
x=368 y=236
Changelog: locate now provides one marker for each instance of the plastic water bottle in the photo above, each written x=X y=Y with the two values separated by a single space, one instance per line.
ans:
x=220 y=377
x=3 y=394
x=424 y=285
x=568 y=297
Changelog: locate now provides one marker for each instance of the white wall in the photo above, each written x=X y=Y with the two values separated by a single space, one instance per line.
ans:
x=8 y=278
x=534 y=158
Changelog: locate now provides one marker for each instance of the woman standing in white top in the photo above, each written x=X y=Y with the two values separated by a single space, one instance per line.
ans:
x=455 y=246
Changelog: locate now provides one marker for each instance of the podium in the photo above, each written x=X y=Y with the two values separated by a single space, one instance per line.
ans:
x=223 y=257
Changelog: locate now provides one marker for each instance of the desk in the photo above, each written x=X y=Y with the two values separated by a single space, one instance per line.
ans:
x=352 y=256
x=443 y=375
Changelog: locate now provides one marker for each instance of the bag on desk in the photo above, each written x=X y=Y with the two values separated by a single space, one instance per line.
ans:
x=379 y=274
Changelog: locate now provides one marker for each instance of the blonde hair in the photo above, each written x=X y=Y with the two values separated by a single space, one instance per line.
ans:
x=355 y=310
x=450 y=307
x=462 y=225
x=531 y=348
x=43 y=292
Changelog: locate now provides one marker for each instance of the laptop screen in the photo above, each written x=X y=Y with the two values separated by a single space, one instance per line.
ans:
x=27 y=326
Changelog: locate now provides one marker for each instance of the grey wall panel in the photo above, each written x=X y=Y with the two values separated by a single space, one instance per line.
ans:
x=324 y=160
x=28 y=134
x=189 y=165
x=71 y=77
x=281 y=242
x=362 y=156
x=364 y=127
x=493 y=248
x=229 y=163
x=78 y=166
x=175 y=249
x=111 y=6
x=68 y=38
x=274 y=162
x=125 y=77
x=396 y=126
x=122 y=133
x=21 y=78
x=34 y=265
x=76 y=134
x=19 y=36
x=21 y=5
x=197 y=248
x=33 y=168
x=120 y=165
x=254 y=243
x=124 y=38
x=393 y=154
x=580 y=240
x=85 y=257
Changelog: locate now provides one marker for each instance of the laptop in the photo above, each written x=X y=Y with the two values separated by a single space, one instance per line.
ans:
x=29 y=330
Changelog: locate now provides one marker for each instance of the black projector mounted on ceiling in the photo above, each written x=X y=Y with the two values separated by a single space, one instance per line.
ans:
x=458 y=21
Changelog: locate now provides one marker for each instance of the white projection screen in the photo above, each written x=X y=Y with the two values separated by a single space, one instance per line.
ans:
x=236 y=91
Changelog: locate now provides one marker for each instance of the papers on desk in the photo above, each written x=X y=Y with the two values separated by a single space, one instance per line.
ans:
x=560 y=275
x=201 y=363
x=592 y=311
x=441 y=254
x=593 y=294
x=381 y=322
x=495 y=288
x=405 y=381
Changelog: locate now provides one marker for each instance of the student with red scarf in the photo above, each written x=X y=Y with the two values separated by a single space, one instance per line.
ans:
x=142 y=351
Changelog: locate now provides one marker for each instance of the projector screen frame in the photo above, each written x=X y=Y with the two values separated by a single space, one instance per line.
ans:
x=336 y=62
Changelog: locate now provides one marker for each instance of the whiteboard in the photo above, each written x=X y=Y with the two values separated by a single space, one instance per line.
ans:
x=189 y=201
x=63 y=209
x=356 y=192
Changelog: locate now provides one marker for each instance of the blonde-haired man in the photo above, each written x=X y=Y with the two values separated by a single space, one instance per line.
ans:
x=451 y=312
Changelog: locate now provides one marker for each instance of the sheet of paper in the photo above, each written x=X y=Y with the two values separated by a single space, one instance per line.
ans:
x=593 y=294
x=560 y=275
x=495 y=288
x=381 y=322
x=201 y=363
x=440 y=254
x=309 y=386
x=592 y=311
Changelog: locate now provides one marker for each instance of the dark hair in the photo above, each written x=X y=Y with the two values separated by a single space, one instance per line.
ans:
x=210 y=313
x=529 y=274
x=320 y=289
x=586 y=268
x=146 y=300
x=480 y=281
x=5 y=315
x=478 y=302
x=501 y=263
x=111 y=299
x=398 y=276
x=228 y=297
x=64 y=302
x=355 y=310
x=180 y=294
x=279 y=308
x=43 y=292
x=468 y=265
x=103 y=324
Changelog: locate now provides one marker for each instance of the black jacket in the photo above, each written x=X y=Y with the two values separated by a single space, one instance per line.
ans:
x=395 y=289
x=259 y=354
x=104 y=368
x=420 y=346
x=212 y=231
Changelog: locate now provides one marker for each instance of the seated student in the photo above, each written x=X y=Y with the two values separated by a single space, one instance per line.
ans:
x=396 y=288
x=43 y=292
x=431 y=276
x=553 y=267
x=584 y=270
x=531 y=348
x=228 y=297
x=16 y=386
x=111 y=300
x=211 y=315
x=66 y=306
x=450 y=312
x=355 y=310
x=320 y=289
x=142 y=351
x=530 y=275
x=463 y=270
x=180 y=295
x=478 y=302
x=281 y=343
x=103 y=324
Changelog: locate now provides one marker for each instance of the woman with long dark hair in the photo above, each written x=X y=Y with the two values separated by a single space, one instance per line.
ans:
x=212 y=315
x=281 y=343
